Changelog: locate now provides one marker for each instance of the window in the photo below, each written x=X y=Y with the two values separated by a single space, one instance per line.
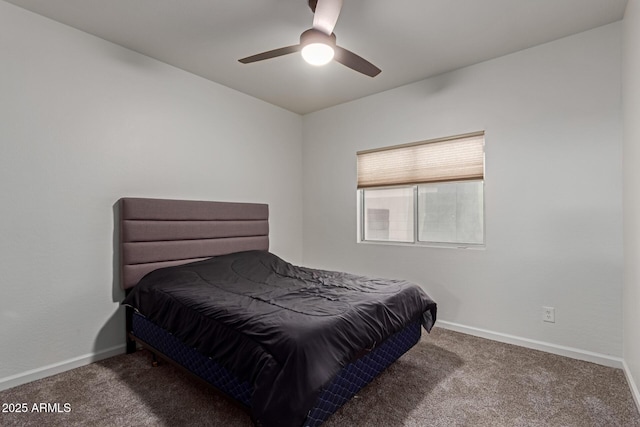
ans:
x=430 y=192
x=389 y=214
x=451 y=212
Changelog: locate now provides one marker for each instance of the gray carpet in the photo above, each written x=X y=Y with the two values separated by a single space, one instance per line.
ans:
x=447 y=379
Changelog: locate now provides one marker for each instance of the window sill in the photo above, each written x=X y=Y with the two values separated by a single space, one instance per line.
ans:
x=426 y=244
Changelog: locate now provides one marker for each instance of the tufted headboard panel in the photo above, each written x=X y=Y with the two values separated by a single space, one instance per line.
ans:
x=157 y=233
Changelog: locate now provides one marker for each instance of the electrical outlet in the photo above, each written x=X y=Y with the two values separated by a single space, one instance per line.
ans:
x=549 y=314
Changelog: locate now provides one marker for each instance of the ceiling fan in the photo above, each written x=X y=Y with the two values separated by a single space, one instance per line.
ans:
x=318 y=44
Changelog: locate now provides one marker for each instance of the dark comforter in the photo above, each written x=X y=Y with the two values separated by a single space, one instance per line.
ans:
x=286 y=329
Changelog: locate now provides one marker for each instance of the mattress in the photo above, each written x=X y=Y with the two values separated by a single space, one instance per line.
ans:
x=285 y=330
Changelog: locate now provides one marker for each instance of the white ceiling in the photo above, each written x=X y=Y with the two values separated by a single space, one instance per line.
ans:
x=409 y=40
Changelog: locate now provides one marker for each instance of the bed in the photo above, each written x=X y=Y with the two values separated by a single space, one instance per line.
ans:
x=290 y=344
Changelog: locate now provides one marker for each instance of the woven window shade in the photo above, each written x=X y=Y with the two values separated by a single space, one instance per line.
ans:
x=450 y=159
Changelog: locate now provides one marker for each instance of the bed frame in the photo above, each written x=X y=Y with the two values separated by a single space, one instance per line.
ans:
x=156 y=233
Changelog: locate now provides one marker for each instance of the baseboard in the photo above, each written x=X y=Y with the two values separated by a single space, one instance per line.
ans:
x=635 y=392
x=56 y=368
x=574 y=353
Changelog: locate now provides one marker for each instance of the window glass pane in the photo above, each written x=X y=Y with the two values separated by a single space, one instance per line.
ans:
x=388 y=214
x=451 y=212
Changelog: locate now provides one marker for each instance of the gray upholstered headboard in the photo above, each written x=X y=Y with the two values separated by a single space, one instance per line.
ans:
x=157 y=233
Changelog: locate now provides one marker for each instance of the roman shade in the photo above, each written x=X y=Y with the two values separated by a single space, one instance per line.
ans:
x=446 y=159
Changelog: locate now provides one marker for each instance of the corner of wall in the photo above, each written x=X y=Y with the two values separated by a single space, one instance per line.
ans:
x=631 y=187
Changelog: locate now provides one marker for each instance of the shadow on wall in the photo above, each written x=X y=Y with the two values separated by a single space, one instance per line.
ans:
x=448 y=302
x=117 y=292
x=113 y=333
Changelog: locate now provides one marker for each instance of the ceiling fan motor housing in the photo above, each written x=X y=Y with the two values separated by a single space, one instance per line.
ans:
x=315 y=36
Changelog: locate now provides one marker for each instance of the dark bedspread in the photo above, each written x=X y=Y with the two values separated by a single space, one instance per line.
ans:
x=286 y=329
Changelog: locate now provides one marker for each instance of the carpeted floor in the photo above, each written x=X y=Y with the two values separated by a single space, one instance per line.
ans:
x=447 y=379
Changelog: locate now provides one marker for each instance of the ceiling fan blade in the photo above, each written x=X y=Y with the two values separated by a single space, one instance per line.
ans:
x=355 y=62
x=326 y=15
x=270 y=54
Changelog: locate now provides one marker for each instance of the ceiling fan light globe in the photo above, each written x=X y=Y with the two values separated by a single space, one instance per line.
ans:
x=317 y=53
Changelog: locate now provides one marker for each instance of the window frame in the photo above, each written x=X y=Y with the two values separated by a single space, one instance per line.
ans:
x=361 y=211
x=360 y=205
